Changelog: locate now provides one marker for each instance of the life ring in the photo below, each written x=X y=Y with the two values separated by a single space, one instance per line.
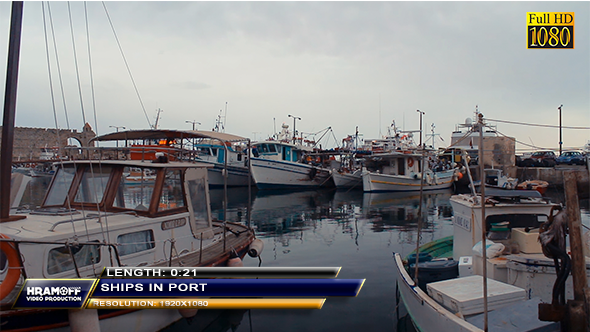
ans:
x=410 y=162
x=14 y=268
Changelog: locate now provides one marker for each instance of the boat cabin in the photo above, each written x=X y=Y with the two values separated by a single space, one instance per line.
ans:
x=274 y=150
x=404 y=164
x=157 y=189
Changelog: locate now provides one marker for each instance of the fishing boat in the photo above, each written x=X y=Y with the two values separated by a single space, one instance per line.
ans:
x=221 y=150
x=401 y=171
x=92 y=217
x=279 y=164
x=495 y=178
x=512 y=273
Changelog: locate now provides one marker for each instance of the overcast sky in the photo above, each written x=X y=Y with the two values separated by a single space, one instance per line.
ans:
x=334 y=64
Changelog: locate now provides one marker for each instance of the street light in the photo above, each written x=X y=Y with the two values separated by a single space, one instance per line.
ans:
x=421 y=113
x=560 y=138
x=193 y=122
x=117 y=128
x=294 y=131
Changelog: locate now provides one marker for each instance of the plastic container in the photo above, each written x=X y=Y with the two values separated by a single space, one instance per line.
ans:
x=422 y=257
x=436 y=270
x=499 y=231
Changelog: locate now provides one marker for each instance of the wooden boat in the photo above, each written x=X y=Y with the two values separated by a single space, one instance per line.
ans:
x=538 y=185
x=156 y=223
x=221 y=150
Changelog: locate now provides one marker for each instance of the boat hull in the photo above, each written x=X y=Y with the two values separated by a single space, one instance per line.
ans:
x=274 y=174
x=374 y=182
x=426 y=313
x=347 y=180
x=236 y=176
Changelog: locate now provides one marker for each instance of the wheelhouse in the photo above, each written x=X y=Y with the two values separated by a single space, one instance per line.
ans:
x=159 y=189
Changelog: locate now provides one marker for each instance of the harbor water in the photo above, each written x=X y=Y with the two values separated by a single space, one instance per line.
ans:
x=350 y=229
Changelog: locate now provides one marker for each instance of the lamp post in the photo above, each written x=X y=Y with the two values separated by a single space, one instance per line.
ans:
x=294 y=131
x=193 y=122
x=117 y=129
x=560 y=138
x=421 y=113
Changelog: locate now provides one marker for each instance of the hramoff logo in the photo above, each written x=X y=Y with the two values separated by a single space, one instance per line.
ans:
x=53 y=294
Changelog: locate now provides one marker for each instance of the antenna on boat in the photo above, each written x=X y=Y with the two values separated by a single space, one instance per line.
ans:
x=158 y=111
x=10 y=110
x=225 y=116
x=482 y=186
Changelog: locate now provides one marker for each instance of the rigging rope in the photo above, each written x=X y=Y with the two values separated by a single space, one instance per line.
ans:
x=63 y=97
x=538 y=125
x=126 y=65
x=90 y=69
x=76 y=65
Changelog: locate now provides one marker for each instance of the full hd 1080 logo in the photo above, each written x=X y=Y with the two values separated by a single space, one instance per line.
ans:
x=550 y=30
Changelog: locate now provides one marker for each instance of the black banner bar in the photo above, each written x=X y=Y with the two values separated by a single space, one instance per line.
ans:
x=219 y=272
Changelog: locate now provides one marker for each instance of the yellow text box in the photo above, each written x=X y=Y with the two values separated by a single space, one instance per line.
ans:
x=550 y=18
x=201 y=303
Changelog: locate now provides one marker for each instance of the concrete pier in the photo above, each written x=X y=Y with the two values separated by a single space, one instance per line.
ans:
x=554 y=175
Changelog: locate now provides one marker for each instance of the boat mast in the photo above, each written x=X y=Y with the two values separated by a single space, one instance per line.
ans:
x=482 y=187
x=10 y=109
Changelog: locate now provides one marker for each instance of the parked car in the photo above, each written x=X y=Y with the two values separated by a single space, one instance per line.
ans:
x=544 y=158
x=571 y=158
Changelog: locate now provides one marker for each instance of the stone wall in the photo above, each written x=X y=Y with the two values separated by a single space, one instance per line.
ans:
x=29 y=141
x=499 y=152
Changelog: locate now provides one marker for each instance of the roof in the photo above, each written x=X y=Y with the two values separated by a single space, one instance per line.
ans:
x=168 y=134
x=139 y=163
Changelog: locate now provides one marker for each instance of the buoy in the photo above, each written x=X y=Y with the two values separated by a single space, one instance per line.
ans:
x=256 y=248
x=234 y=260
x=188 y=313
x=459 y=175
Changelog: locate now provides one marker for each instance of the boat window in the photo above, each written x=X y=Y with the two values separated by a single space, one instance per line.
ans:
x=172 y=194
x=60 y=259
x=131 y=243
x=204 y=151
x=272 y=148
x=517 y=220
x=93 y=184
x=60 y=186
x=197 y=191
x=214 y=151
x=263 y=148
x=135 y=189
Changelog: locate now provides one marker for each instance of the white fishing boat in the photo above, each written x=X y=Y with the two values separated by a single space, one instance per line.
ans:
x=215 y=152
x=495 y=178
x=347 y=179
x=283 y=165
x=513 y=273
x=401 y=171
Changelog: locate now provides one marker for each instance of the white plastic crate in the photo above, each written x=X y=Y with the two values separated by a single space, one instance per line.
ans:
x=465 y=295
